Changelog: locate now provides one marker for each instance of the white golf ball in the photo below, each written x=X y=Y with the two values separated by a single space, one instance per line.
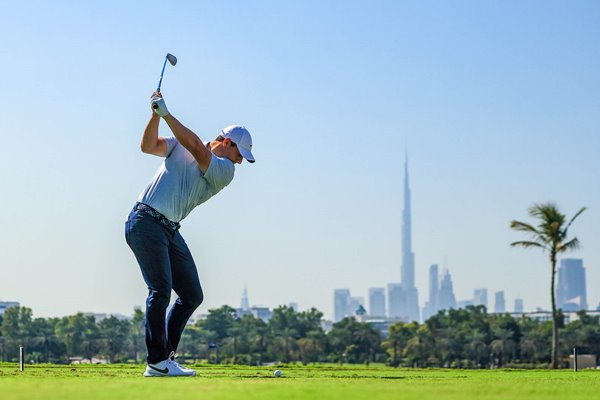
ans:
x=277 y=373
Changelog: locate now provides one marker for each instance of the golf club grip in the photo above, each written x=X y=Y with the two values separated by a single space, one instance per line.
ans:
x=155 y=106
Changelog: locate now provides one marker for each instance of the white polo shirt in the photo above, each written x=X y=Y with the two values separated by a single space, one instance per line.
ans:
x=179 y=185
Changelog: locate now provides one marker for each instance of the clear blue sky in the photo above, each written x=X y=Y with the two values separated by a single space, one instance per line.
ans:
x=497 y=105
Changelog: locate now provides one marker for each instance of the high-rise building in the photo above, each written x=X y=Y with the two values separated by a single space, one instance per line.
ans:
x=396 y=302
x=571 y=289
x=431 y=305
x=245 y=306
x=377 y=302
x=519 y=305
x=446 y=299
x=480 y=297
x=408 y=257
x=499 y=305
x=341 y=304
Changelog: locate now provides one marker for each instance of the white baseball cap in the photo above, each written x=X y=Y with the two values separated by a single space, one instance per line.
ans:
x=241 y=137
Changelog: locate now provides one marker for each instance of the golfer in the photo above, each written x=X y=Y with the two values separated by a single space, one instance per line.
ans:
x=191 y=173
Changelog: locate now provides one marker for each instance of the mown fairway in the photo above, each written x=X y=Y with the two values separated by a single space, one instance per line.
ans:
x=315 y=382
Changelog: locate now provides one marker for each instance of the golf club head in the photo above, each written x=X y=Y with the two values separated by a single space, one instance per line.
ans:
x=172 y=59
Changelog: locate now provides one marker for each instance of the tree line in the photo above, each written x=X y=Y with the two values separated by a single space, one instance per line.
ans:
x=463 y=338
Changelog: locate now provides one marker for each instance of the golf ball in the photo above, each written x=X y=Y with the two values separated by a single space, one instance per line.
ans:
x=277 y=373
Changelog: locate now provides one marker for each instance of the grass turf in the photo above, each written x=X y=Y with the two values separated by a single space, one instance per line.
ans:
x=297 y=382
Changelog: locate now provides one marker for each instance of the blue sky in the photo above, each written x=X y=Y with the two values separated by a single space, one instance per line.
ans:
x=496 y=104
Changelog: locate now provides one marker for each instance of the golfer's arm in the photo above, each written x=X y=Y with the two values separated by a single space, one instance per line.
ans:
x=151 y=142
x=190 y=141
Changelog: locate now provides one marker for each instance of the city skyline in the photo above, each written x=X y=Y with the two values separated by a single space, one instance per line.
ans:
x=402 y=298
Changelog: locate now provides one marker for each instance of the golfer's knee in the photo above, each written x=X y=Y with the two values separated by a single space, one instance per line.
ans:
x=197 y=299
x=159 y=298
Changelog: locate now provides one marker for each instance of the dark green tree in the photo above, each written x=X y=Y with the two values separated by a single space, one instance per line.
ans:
x=398 y=336
x=219 y=321
x=16 y=330
x=44 y=340
x=80 y=335
x=114 y=334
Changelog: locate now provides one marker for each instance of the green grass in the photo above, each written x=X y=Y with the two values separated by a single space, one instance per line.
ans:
x=297 y=382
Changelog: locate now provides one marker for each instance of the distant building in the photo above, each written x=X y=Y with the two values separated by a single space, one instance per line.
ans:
x=499 y=305
x=5 y=304
x=543 y=316
x=99 y=317
x=446 y=299
x=480 y=297
x=410 y=305
x=341 y=304
x=519 y=306
x=244 y=304
x=377 y=302
x=431 y=305
x=571 y=289
x=360 y=314
x=396 y=302
x=263 y=313
x=293 y=306
x=380 y=324
x=464 y=303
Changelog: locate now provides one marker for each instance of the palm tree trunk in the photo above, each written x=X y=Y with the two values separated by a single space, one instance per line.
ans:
x=554 y=356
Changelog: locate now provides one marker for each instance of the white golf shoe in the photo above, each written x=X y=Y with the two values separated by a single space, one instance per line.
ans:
x=168 y=368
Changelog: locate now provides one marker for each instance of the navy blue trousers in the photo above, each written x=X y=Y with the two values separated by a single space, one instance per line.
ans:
x=166 y=264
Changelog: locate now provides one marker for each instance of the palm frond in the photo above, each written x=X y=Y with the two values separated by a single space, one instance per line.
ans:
x=572 y=244
x=523 y=227
x=527 y=243
x=543 y=211
x=577 y=214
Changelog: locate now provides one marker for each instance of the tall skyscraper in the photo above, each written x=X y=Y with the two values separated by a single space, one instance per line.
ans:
x=377 y=302
x=245 y=306
x=341 y=304
x=519 y=305
x=408 y=257
x=396 y=302
x=431 y=305
x=499 y=305
x=571 y=290
x=480 y=297
x=446 y=299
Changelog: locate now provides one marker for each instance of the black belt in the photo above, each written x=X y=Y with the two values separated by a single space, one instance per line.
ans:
x=158 y=216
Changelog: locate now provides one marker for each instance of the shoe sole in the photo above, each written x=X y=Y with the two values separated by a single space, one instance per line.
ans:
x=147 y=375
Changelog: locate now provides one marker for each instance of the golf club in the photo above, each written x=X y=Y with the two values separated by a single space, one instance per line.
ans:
x=172 y=60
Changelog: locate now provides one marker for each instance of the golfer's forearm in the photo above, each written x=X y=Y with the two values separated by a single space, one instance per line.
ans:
x=190 y=141
x=184 y=136
x=150 y=136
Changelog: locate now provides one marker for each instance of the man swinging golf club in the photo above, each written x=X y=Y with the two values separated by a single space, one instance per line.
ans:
x=192 y=172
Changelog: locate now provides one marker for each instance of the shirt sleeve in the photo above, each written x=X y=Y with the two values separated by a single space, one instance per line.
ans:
x=171 y=142
x=219 y=173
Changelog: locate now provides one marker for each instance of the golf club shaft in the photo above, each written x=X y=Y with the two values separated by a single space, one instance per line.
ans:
x=161 y=74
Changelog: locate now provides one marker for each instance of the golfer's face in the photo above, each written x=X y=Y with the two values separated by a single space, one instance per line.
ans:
x=234 y=154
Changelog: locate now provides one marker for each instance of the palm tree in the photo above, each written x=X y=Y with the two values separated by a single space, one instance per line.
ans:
x=550 y=235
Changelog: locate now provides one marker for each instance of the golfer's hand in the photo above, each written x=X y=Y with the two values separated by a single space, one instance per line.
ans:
x=158 y=105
